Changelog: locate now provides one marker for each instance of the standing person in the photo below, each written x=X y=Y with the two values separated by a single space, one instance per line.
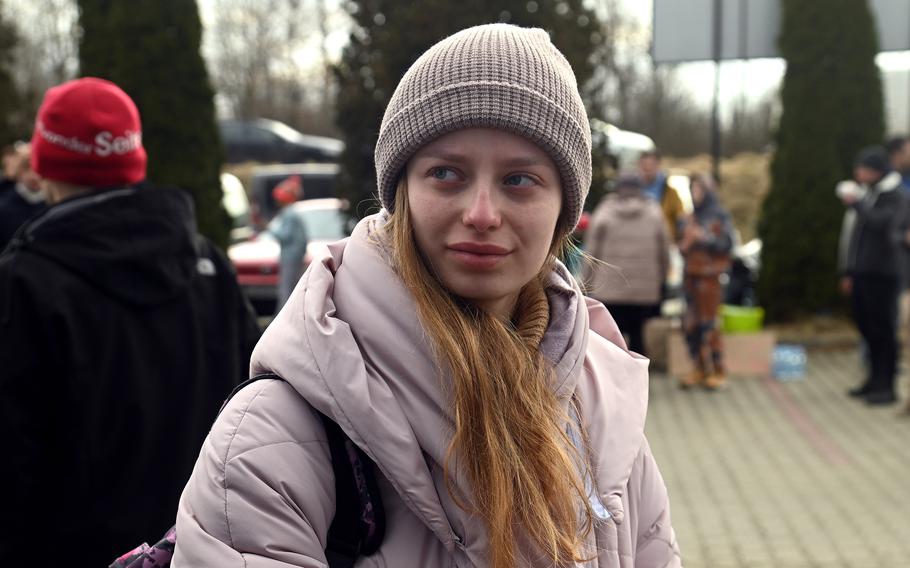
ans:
x=874 y=273
x=290 y=231
x=707 y=241
x=502 y=409
x=121 y=331
x=628 y=236
x=898 y=149
x=7 y=161
x=20 y=194
x=656 y=186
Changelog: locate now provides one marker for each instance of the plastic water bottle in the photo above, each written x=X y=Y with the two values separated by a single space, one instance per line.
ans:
x=789 y=362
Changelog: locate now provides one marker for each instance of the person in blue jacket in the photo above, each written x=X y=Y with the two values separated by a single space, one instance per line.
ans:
x=290 y=231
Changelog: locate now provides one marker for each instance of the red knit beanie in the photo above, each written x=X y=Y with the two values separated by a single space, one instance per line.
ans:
x=288 y=191
x=88 y=133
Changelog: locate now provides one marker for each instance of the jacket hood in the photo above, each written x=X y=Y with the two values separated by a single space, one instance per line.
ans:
x=350 y=343
x=137 y=245
x=889 y=182
x=628 y=205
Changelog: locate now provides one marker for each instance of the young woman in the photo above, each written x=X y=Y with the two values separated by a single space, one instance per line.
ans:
x=706 y=246
x=502 y=410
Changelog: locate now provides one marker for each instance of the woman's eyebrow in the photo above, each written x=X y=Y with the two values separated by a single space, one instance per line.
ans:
x=442 y=155
x=514 y=162
x=523 y=162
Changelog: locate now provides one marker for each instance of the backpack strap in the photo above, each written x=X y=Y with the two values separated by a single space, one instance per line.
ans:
x=358 y=526
x=245 y=383
x=359 y=523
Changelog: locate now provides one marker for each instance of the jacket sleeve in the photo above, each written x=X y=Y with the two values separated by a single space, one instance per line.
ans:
x=843 y=242
x=596 y=233
x=655 y=540
x=246 y=331
x=886 y=215
x=262 y=494
x=674 y=211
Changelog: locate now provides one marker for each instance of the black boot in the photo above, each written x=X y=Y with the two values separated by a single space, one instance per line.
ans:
x=881 y=397
x=860 y=391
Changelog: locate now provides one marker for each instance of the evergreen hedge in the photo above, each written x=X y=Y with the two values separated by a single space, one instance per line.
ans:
x=150 y=48
x=9 y=98
x=832 y=107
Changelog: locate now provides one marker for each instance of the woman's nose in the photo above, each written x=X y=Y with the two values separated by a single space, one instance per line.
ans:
x=482 y=212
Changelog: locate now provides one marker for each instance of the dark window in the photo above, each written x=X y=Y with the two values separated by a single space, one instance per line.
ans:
x=260 y=136
x=231 y=132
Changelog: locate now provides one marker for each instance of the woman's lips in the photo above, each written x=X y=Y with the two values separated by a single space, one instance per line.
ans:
x=478 y=255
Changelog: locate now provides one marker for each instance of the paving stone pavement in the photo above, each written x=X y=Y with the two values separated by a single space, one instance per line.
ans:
x=785 y=475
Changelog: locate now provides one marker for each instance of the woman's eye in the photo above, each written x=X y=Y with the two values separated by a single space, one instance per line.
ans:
x=443 y=174
x=520 y=180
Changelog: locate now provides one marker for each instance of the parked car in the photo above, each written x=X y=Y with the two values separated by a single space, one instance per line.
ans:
x=256 y=260
x=264 y=140
x=237 y=204
x=318 y=183
x=622 y=146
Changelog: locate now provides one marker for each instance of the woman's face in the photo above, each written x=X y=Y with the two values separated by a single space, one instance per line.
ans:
x=484 y=205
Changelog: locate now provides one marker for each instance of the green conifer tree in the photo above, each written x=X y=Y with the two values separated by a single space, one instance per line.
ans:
x=9 y=98
x=150 y=48
x=832 y=107
x=389 y=35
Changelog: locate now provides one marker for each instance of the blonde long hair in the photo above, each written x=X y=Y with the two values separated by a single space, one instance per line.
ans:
x=510 y=430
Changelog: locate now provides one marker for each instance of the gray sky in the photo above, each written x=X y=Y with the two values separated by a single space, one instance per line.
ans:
x=759 y=76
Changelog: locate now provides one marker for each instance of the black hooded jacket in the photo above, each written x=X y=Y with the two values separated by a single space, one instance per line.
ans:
x=121 y=332
x=14 y=210
x=877 y=236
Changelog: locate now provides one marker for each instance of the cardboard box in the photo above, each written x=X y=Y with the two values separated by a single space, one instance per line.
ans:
x=745 y=354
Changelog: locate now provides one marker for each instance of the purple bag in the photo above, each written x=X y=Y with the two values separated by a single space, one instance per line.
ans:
x=145 y=556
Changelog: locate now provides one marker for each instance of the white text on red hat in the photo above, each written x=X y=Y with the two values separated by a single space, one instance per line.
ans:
x=105 y=142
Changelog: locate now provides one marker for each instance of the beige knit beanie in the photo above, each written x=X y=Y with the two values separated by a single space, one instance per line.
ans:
x=490 y=76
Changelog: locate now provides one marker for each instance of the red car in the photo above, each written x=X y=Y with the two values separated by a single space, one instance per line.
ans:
x=256 y=259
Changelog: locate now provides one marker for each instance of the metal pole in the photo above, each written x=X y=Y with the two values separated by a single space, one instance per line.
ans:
x=715 y=110
x=744 y=29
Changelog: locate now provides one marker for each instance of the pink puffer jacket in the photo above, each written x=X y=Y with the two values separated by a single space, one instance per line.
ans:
x=350 y=346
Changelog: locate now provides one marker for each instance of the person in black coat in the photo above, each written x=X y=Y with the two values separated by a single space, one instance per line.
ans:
x=873 y=269
x=121 y=332
x=20 y=196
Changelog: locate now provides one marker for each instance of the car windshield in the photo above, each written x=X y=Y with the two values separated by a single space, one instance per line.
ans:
x=325 y=224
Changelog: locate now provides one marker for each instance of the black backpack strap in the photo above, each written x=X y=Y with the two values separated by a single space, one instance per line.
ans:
x=359 y=523
x=245 y=383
